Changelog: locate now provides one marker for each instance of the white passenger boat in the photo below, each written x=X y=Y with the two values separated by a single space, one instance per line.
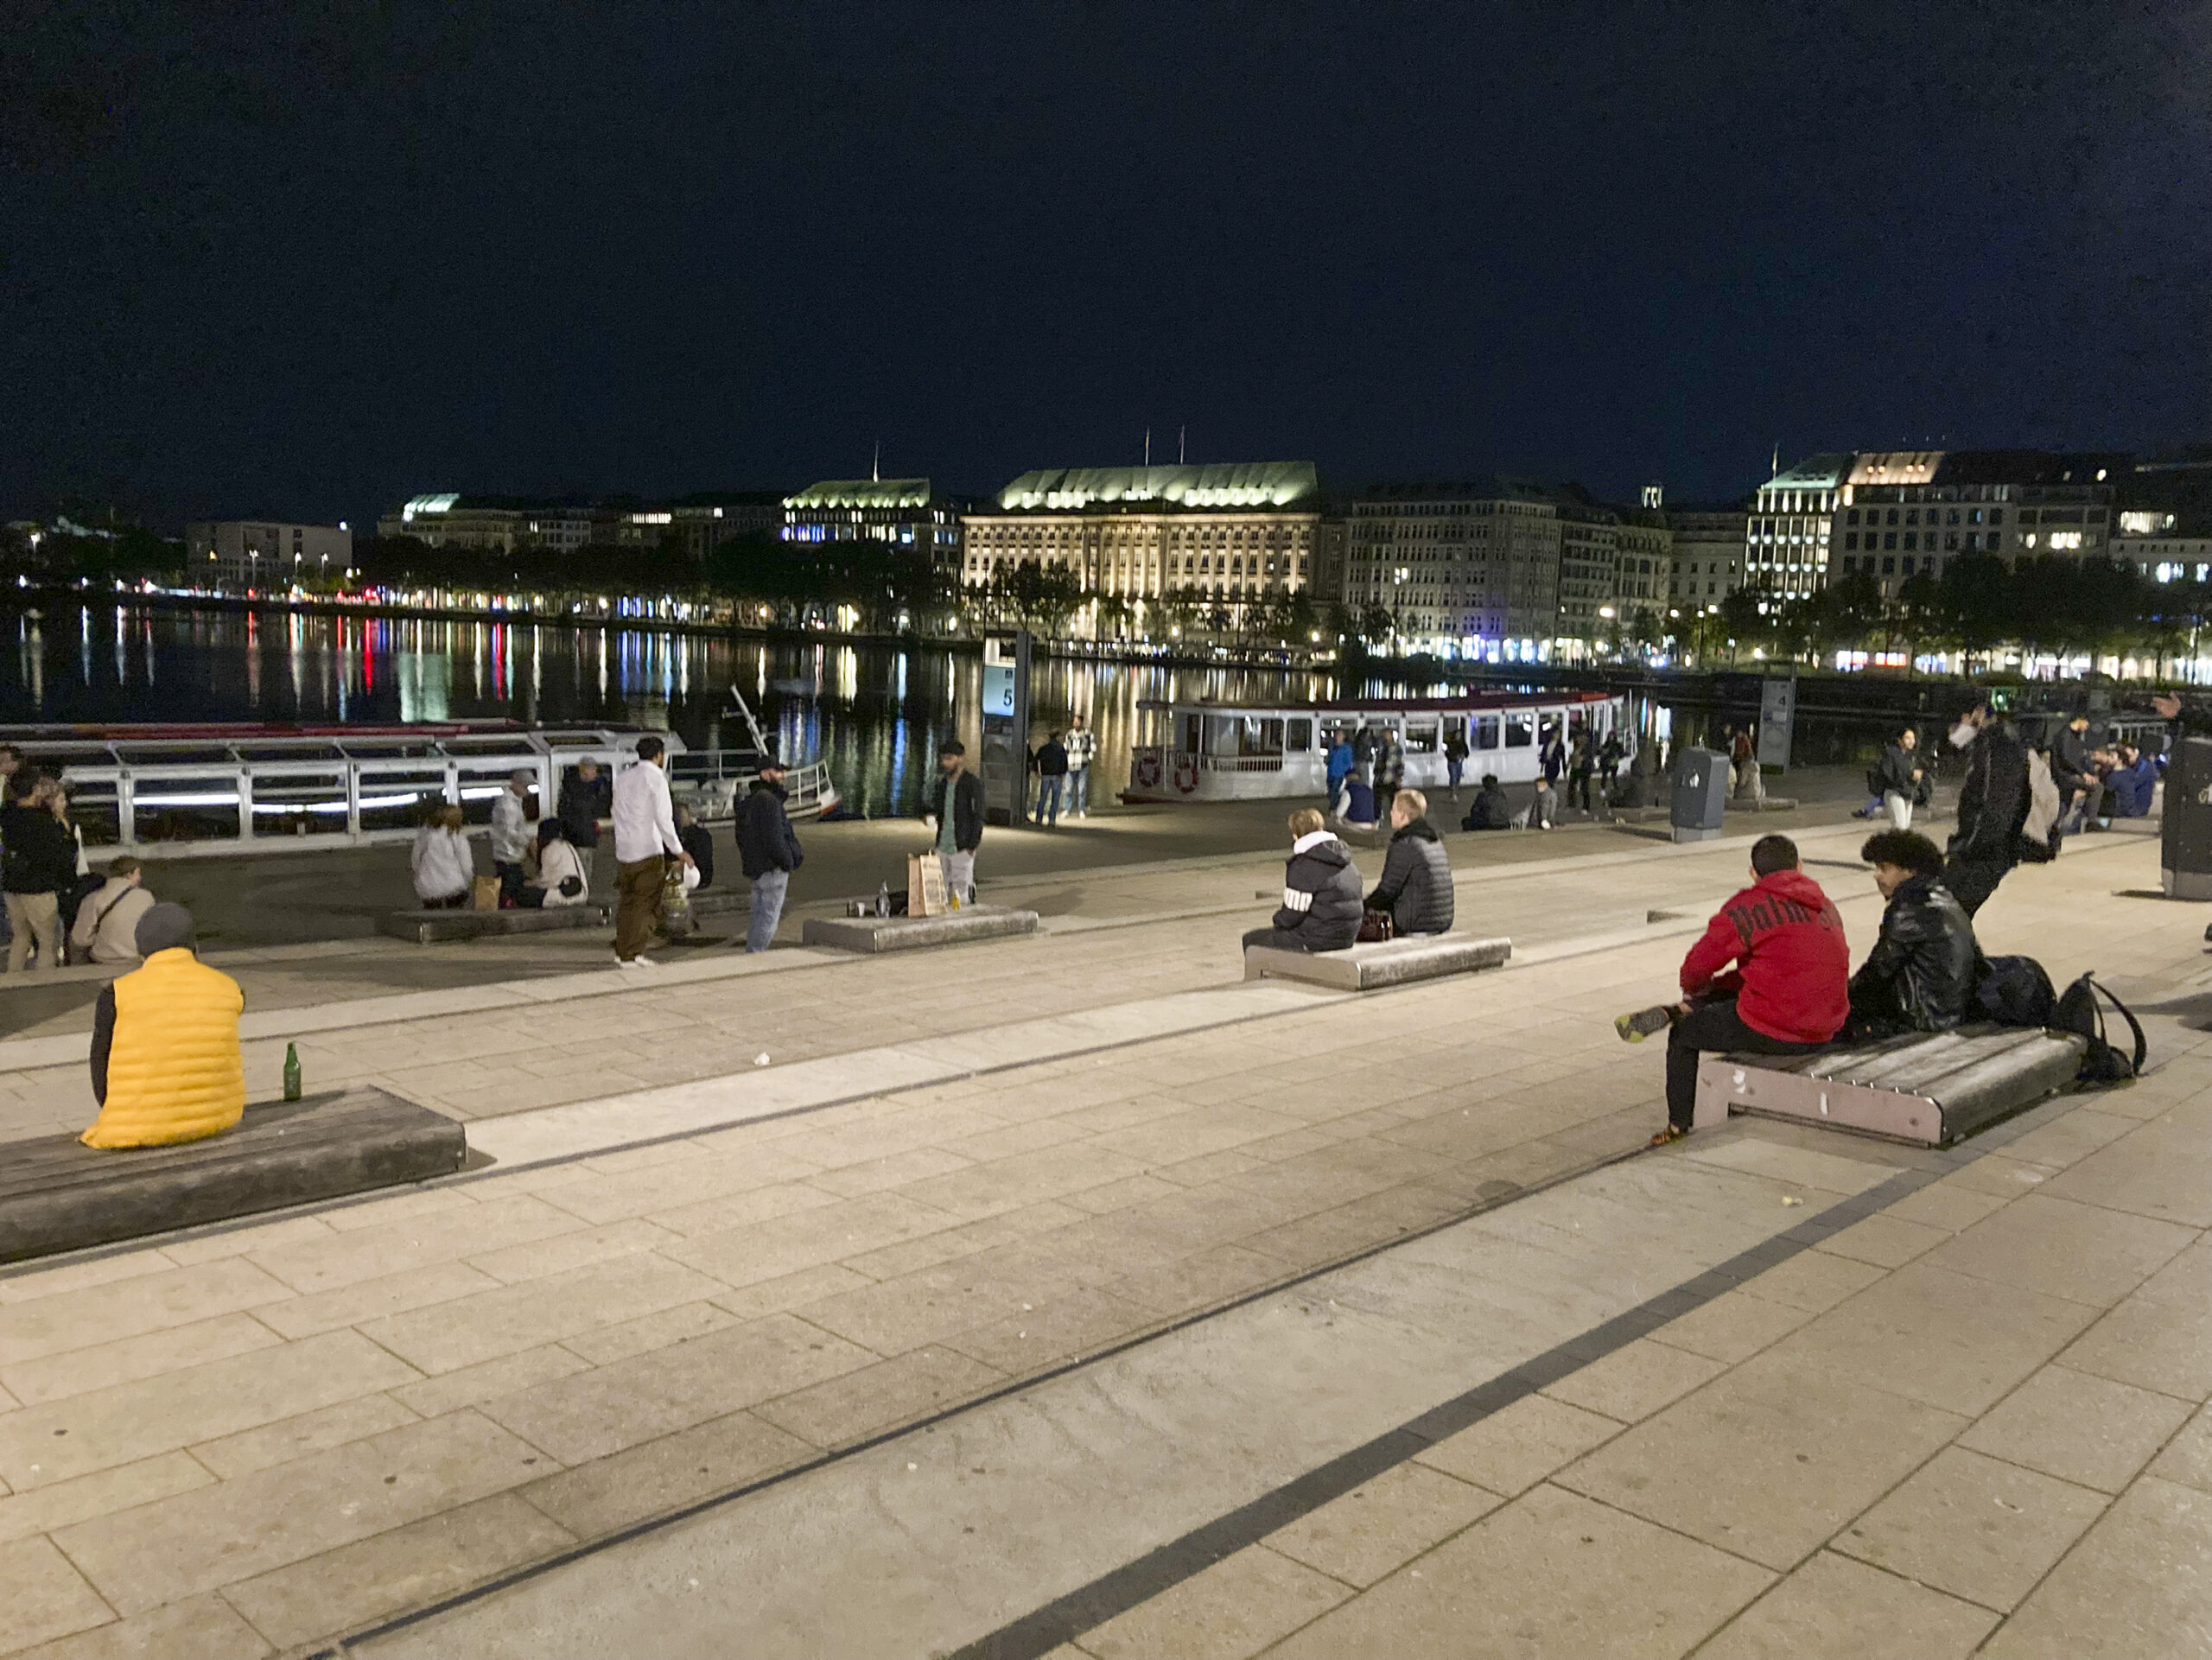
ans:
x=1196 y=750
x=173 y=790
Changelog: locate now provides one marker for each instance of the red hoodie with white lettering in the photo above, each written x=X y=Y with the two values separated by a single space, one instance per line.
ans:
x=1792 y=978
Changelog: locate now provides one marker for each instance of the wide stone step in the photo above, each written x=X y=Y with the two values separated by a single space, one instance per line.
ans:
x=912 y=933
x=57 y=1194
x=438 y=927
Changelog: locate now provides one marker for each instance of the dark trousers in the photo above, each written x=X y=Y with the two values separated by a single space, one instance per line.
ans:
x=1972 y=883
x=1714 y=1028
x=637 y=903
x=511 y=882
x=1275 y=939
x=1578 y=790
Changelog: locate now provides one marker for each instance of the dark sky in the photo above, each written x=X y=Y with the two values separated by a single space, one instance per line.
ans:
x=310 y=260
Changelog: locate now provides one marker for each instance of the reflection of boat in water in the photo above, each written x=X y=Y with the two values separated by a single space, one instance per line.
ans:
x=1196 y=750
x=185 y=789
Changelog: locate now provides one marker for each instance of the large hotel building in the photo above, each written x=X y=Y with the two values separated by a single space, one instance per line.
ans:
x=1232 y=533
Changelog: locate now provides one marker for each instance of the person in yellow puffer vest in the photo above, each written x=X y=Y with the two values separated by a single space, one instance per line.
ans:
x=166 y=1064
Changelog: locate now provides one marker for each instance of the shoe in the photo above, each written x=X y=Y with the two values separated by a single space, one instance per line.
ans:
x=1634 y=1028
x=1672 y=1133
x=638 y=962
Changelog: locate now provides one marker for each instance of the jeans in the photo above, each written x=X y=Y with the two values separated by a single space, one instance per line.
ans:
x=768 y=890
x=1900 y=806
x=637 y=903
x=511 y=882
x=35 y=921
x=1048 y=798
x=1452 y=769
x=960 y=876
x=1079 y=793
x=1715 y=1028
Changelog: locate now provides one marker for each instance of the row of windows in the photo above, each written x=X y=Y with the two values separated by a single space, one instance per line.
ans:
x=1912 y=515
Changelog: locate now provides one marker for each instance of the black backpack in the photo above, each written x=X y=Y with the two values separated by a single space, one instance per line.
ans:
x=2079 y=1011
x=2015 y=991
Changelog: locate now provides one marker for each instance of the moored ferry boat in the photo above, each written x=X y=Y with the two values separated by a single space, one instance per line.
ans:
x=1198 y=750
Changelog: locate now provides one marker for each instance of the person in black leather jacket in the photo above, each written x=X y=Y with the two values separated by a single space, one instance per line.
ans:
x=1920 y=975
x=1416 y=884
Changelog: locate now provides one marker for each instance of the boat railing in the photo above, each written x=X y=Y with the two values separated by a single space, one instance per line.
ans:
x=711 y=780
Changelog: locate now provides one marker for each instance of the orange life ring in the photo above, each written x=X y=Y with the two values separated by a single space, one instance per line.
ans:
x=1147 y=773
x=1187 y=773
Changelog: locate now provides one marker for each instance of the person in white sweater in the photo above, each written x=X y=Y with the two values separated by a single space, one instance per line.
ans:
x=560 y=879
x=445 y=868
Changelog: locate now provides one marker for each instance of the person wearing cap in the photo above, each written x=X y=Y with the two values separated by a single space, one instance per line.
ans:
x=511 y=836
x=770 y=851
x=166 y=1063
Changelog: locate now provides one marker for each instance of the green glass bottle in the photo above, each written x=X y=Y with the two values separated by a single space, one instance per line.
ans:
x=291 y=1071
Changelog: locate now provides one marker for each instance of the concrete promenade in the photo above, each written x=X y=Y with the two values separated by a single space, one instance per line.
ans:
x=1064 y=1295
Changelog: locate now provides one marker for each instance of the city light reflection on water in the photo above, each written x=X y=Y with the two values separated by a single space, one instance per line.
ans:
x=876 y=714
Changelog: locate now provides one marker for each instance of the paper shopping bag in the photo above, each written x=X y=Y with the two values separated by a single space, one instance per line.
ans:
x=924 y=885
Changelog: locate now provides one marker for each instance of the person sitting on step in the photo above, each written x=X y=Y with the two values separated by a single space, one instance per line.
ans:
x=1920 y=975
x=1787 y=994
x=166 y=1063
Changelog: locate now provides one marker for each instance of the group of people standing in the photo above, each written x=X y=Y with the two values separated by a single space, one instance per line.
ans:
x=1062 y=764
x=47 y=880
x=1365 y=766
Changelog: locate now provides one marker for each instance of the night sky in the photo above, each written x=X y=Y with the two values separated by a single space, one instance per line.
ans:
x=310 y=260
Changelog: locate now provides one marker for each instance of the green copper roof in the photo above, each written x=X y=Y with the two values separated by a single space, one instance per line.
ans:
x=1813 y=473
x=1223 y=484
x=863 y=493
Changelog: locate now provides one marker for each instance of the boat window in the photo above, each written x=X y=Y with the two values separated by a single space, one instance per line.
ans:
x=400 y=798
x=190 y=809
x=1578 y=721
x=1455 y=727
x=93 y=809
x=1190 y=744
x=298 y=803
x=1257 y=736
x=1521 y=729
x=1420 y=737
x=1299 y=736
x=1485 y=732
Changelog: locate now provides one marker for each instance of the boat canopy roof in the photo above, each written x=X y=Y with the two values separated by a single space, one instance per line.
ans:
x=229 y=743
x=1476 y=700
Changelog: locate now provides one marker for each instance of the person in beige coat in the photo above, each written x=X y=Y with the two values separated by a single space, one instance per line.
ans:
x=107 y=922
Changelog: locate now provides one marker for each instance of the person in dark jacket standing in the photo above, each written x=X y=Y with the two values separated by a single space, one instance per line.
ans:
x=1581 y=764
x=1320 y=907
x=953 y=809
x=1787 y=994
x=1992 y=806
x=1051 y=779
x=1920 y=975
x=1416 y=884
x=769 y=850
x=1899 y=775
x=585 y=799
x=1552 y=756
x=1455 y=760
x=38 y=859
x=2072 y=765
x=1491 y=810
x=1389 y=768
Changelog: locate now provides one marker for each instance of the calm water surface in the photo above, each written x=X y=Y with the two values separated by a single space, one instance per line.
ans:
x=875 y=713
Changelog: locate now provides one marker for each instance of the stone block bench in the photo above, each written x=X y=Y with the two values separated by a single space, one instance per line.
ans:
x=912 y=933
x=57 y=1194
x=1385 y=962
x=1929 y=1089
x=436 y=928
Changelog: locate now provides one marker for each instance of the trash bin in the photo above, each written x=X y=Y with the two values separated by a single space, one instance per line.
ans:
x=1700 y=794
x=2185 y=834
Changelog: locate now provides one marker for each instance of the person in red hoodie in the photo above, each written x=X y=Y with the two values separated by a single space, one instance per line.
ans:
x=1788 y=993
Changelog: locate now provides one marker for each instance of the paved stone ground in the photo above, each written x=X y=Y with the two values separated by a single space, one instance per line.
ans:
x=260 y=1437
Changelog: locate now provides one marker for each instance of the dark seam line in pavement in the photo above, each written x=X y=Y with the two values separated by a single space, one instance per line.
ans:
x=1068 y=1617
x=339 y=1649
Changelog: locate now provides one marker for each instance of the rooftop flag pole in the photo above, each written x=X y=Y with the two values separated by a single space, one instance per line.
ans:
x=875 y=466
x=1148 y=446
x=1181 y=433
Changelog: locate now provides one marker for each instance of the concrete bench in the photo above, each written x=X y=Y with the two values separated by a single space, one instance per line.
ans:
x=1929 y=1089
x=57 y=1194
x=434 y=927
x=912 y=933
x=1385 y=962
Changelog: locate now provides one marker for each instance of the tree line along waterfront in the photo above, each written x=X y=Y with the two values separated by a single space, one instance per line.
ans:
x=1981 y=615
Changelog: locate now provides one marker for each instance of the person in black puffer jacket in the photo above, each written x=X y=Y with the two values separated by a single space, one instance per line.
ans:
x=1491 y=809
x=1992 y=806
x=1416 y=885
x=1920 y=975
x=1320 y=893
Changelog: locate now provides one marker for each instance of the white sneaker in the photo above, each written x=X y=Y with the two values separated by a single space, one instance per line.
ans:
x=633 y=962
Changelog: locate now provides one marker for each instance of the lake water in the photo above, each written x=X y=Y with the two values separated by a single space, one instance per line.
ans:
x=875 y=713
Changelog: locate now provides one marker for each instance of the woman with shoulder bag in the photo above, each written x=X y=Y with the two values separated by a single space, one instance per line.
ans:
x=560 y=878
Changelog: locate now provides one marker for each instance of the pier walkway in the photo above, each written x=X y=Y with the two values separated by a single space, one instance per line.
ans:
x=1064 y=1295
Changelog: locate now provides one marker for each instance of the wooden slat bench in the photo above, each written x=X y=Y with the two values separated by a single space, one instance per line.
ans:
x=57 y=1194
x=912 y=933
x=1930 y=1088
x=1385 y=962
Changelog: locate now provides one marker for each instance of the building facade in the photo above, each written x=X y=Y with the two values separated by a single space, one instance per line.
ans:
x=1469 y=568
x=1705 y=555
x=694 y=526
x=499 y=523
x=1902 y=515
x=2162 y=520
x=1643 y=588
x=1230 y=535
x=902 y=512
x=1589 y=576
x=1786 y=542
x=258 y=556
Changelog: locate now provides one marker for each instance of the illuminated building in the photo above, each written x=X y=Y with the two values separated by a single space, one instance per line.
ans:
x=1469 y=568
x=240 y=555
x=1230 y=533
x=1903 y=514
x=905 y=512
x=498 y=524
x=1705 y=555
